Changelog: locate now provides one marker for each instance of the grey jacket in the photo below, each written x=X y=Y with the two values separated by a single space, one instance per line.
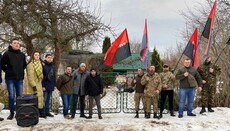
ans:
x=79 y=81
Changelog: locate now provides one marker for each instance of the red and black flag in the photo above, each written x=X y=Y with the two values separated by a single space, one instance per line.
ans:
x=192 y=50
x=207 y=32
x=145 y=48
x=119 y=50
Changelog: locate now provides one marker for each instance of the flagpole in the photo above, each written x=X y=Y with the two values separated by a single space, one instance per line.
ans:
x=178 y=61
x=219 y=54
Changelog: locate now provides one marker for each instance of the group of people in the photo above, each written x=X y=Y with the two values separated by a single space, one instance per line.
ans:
x=79 y=84
x=41 y=77
x=149 y=86
x=42 y=80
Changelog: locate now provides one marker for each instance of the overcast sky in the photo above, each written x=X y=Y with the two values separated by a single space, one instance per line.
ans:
x=163 y=16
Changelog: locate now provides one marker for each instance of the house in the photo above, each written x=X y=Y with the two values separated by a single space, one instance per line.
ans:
x=130 y=64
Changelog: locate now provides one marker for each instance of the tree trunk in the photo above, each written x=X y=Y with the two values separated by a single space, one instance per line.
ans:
x=29 y=46
x=57 y=55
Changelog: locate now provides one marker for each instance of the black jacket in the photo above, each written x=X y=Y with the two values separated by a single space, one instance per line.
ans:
x=139 y=87
x=93 y=85
x=13 y=64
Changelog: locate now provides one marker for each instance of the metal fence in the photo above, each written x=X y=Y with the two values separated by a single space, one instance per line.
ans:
x=114 y=100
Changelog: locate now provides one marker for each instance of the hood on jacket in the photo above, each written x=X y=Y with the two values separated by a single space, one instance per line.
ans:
x=12 y=50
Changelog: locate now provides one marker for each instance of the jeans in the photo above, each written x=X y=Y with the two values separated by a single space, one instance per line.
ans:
x=66 y=103
x=47 y=95
x=13 y=85
x=82 y=104
x=98 y=103
x=190 y=94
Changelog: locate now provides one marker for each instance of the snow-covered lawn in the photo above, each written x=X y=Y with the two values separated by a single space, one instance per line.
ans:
x=217 y=121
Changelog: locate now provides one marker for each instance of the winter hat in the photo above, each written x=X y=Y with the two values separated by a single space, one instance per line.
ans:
x=82 y=64
x=93 y=69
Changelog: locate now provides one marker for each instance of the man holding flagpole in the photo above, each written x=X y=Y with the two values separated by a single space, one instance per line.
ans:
x=209 y=73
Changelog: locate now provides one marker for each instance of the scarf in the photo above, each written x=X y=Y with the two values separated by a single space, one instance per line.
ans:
x=38 y=69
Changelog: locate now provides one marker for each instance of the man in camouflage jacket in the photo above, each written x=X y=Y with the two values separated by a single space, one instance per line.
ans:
x=208 y=73
x=168 y=79
x=152 y=82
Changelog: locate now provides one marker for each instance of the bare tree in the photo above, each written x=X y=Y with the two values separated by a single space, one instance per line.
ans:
x=51 y=23
x=135 y=46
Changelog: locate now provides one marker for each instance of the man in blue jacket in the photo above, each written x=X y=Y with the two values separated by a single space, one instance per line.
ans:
x=48 y=82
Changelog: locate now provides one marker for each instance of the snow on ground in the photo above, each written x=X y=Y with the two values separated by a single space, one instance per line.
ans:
x=217 y=121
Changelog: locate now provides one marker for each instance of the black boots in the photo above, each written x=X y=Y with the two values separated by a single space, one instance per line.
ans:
x=1 y=119
x=137 y=114
x=147 y=115
x=11 y=116
x=172 y=113
x=210 y=109
x=41 y=113
x=202 y=110
x=49 y=114
x=160 y=116
x=155 y=115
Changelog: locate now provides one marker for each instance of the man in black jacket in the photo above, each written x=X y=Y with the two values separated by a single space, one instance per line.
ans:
x=13 y=64
x=94 y=88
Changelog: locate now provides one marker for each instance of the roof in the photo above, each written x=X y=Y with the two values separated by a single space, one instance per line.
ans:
x=133 y=62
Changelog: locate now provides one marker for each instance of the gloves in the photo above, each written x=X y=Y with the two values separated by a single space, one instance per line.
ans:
x=35 y=90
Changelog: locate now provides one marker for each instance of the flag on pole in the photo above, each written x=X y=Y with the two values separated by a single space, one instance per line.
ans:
x=208 y=29
x=192 y=50
x=119 y=50
x=145 y=48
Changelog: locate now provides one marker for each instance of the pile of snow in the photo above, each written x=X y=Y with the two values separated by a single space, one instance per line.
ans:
x=219 y=120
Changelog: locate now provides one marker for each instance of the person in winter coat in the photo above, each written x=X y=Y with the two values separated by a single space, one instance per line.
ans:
x=168 y=79
x=65 y=86
x=139 y=93
x=48 y=82
x=35 y=76
x=79 y=77
x=153 y=84
x=13 y=64
x=189 y=79
x=94 y=88
x=209 y=73
x=1 y=119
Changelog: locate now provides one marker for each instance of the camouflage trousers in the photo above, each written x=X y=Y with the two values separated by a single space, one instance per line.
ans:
x=138 y=97
x=207 y=95
x=152 y=101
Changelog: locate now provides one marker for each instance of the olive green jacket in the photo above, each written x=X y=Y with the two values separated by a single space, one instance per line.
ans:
x=192 y=80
